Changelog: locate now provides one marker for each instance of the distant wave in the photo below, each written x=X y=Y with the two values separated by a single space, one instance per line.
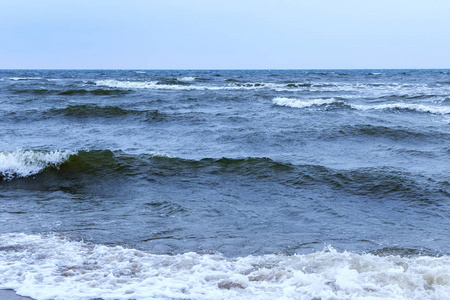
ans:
x=85 y=111
x=24 y=78
x=93 y=92
x=56 y=268
x=173 y=85
x=299 y=103
x=384 y=131
x=96 y=92
x=25 y=163
x=440 y=110
x=179 y=84
x=187 y=83
x=186 y=78
x=304 y=103
x=173 y=81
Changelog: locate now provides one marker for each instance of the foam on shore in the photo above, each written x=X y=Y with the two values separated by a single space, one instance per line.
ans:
x=51 y=267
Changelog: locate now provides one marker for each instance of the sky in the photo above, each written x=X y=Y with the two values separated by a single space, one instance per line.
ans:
x=232 y=34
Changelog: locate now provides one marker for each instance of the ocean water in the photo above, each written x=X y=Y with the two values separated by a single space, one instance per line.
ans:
x=268 y=184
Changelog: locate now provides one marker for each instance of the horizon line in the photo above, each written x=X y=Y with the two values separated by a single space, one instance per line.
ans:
x=205 y=69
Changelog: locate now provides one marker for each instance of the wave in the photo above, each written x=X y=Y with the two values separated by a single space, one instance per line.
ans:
x=51 y=267
x=33 y=91
x=172 y=81
x=188 y=78
x=57 y=167
x=299 y=103
x=304 y=103
x=24 y=78
x=299 y=84
x=183 y=85
x=25 y=163
x=382 y=131
x=233 y=84
x=412 y=96
x=101 y=92
x=162 y=165
x=96 y=92
x=440 y=110
x=173 y=85
x=86 y=111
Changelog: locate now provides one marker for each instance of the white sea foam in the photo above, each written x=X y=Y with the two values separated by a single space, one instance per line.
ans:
x=24 y=78
x=53 y=268
x=160 y=154
x=186 y=79
x=302 y=103
x=155 y=86
x=375 y=89
x=441 y=110
x=23 y=163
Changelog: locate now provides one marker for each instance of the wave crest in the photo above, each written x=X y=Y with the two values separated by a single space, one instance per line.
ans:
x=299 y=103
x=181 y=85
x=24 y=163
x=77 y=92
x=304 y=103
x=86 y=111
x=440 y=110
x=378 y=182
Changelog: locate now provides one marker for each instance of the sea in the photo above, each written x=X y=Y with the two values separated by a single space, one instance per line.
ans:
x=225 y=184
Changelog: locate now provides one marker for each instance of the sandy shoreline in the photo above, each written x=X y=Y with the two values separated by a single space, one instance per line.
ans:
x=11 y=295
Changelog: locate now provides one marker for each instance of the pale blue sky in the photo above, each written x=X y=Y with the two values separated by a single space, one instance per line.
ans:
x=232 y=34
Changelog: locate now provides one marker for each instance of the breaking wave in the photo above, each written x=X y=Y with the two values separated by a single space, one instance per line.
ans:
x=24 y=163
x=408 y=91
x=298 y=103
x=101 y=92
x=24 y=78
x=304 y=103
x=186 y=79
x=175 y=85
x=57 y=167
x=440 y=110
x=77 y=92
x=51 y=267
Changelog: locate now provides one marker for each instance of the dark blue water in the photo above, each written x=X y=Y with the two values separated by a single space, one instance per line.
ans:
x=235 y=162
x=225 y=184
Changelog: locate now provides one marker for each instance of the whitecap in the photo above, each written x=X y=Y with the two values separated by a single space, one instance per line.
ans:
x=51 y=267
x=441 y=110
x=24 y=163
x=24 y=78
x=155 y=85
x=186 y=79
x=302 y=103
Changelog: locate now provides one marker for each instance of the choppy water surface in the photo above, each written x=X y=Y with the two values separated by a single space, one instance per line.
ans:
x=225 y=184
